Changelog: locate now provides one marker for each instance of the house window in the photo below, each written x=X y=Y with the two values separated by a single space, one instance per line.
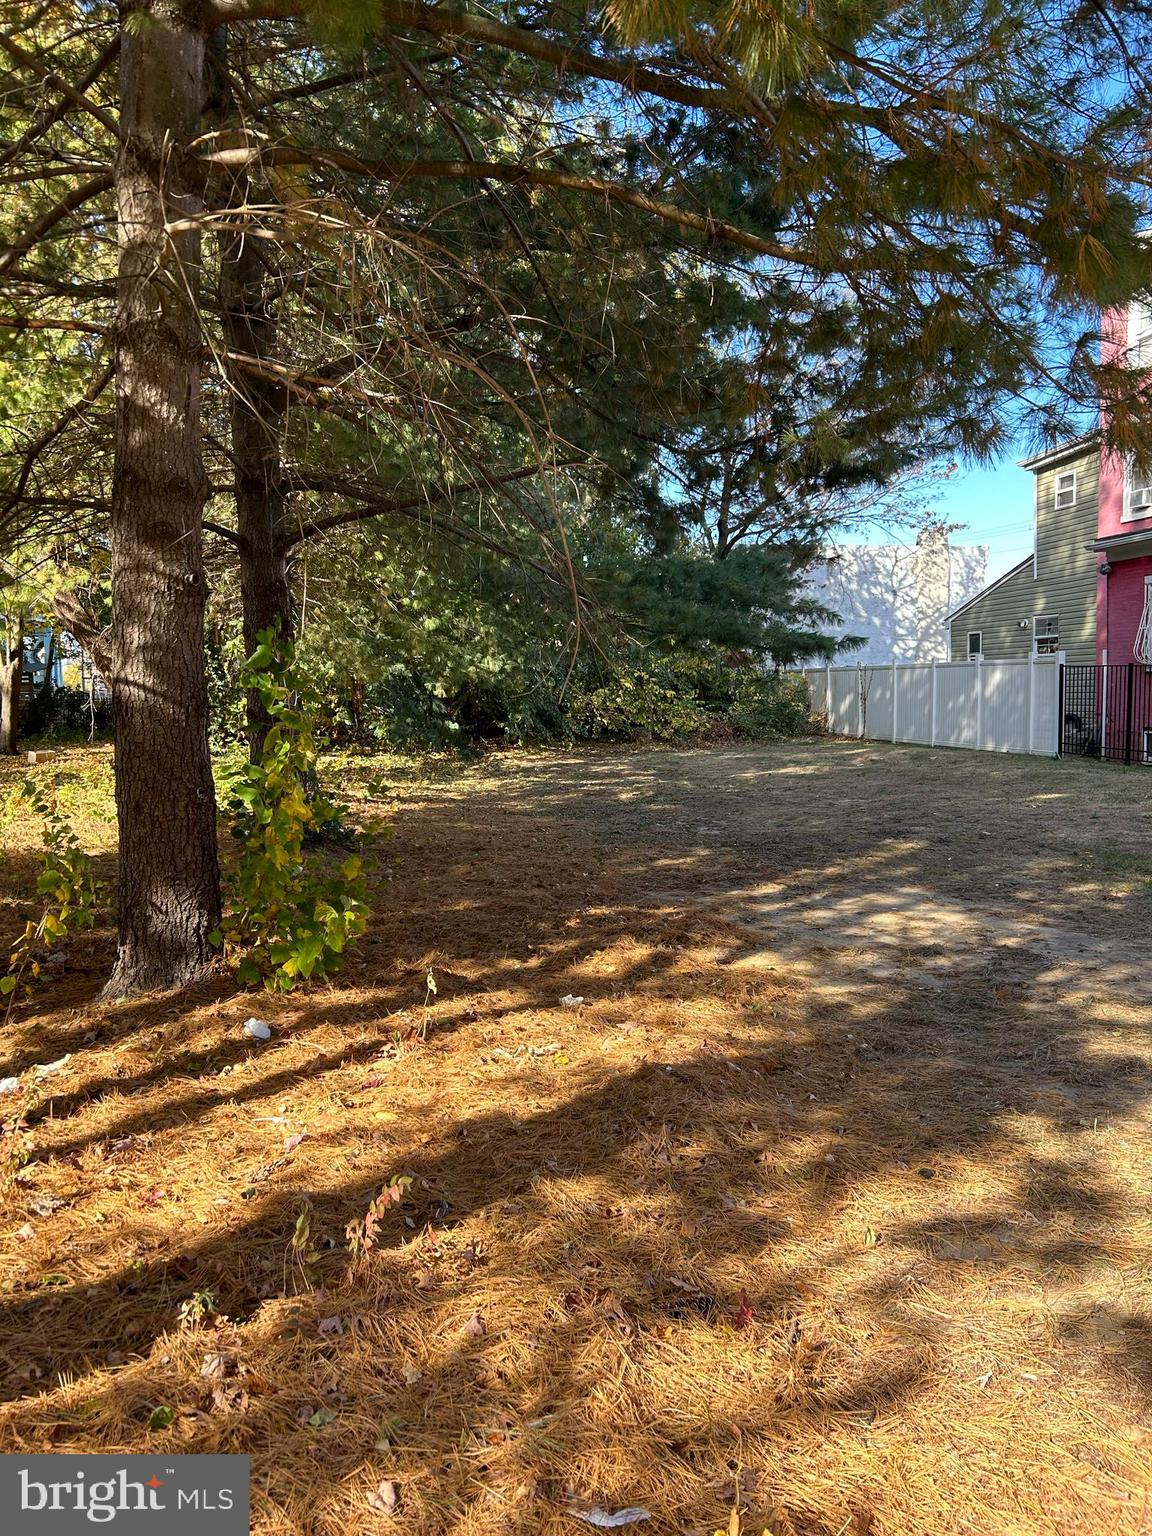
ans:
x=1066 y=488
x=1137 y=492
x=1140 y=335
x=975 y=643
x=1046 y=633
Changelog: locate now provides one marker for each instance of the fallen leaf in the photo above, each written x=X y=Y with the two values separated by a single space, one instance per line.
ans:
x=230 y=1396
x=215 y=1365
x=745 y=1314
x=160 y=1417
x=292 y=1142
x=385 y=1498
x=474 y=1328
x=331 y=1325
x=321 y=1417
x=44 y=1205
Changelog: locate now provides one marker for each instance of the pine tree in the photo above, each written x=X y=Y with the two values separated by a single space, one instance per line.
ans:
x=376 y=259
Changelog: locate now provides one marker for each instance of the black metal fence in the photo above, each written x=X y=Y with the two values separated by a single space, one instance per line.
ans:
x=1106 y=711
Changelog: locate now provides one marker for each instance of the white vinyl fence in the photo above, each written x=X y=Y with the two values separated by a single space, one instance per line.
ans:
x=995 y=706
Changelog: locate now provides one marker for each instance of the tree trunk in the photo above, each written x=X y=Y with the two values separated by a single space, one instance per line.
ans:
x=248 y=292
x=169 y=886
x=11 y=672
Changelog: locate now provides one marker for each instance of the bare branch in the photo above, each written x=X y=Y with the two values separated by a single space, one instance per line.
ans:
x=34 y=323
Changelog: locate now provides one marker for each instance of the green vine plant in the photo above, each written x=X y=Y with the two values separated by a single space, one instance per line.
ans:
x=292 y=910
x=66 y=883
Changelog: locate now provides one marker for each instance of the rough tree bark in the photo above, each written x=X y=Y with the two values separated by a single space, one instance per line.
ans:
x=11 y=671
x=248 y=292
x=169 y=888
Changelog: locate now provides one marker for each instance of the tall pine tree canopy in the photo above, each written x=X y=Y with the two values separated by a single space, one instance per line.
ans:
x=473 y=279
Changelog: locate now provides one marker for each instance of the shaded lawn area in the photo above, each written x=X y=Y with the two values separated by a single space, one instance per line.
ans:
x=864 y=1043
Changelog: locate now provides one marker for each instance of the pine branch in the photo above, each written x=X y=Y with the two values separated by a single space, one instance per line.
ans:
x=708 y=225
x=54 y=82
x=77 y=198
x=34 y=452
x=47 y=116
x=373 y=506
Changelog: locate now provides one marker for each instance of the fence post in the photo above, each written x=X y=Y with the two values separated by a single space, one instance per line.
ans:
x=828 y=695
x=860 y=701
x=935 y=664
x=1130 y=669
x=1031 y=701
x=979 y=704
x=895 y=681
x=1104 y=705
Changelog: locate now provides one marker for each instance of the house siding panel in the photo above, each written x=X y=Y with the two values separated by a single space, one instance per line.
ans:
x=1123 y=606
x=1060 y=580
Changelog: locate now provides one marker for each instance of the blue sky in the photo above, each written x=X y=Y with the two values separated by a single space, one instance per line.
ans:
x=993 y=502
x=996 y=505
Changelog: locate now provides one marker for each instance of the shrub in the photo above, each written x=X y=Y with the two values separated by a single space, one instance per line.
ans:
x=654 y=700
x=66 y=882
x=292 y=909
x=770 y=704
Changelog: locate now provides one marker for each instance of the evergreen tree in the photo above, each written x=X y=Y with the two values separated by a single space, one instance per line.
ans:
x=385 y=258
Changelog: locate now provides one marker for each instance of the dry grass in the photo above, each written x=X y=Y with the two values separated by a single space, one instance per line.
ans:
x=913 y=1132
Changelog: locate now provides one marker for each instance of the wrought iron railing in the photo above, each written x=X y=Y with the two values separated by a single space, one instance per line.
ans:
x=1106 y=712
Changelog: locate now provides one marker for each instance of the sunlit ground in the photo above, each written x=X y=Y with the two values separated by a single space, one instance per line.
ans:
x=825 y=1212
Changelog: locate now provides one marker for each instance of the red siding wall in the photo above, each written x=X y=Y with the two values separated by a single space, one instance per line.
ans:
x=1120 y=597
x=1119 y=615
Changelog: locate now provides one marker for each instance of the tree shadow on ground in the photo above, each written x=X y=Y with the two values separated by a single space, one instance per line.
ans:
x=923 y=1193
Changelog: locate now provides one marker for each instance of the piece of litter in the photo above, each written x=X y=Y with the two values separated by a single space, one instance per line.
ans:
x=9 y=1084
x=610 y=1519
x=385 y=1498
x=570 y=1001
x=256 y=1029
x=52 y=1066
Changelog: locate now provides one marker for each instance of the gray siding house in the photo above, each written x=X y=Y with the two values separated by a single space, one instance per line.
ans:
x=1047 y=603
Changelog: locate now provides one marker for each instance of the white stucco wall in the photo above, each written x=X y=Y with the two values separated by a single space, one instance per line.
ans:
x=897 y=596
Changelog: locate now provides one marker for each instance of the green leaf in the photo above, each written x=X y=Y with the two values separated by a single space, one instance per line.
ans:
x=161 y=1417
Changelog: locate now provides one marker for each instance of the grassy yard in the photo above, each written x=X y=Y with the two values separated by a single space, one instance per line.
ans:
x=820 y=1208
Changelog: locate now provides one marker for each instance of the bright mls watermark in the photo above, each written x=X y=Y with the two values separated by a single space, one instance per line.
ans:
x=59 y=1495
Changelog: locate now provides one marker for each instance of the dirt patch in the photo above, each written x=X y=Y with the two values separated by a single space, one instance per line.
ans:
x=827 y=1203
